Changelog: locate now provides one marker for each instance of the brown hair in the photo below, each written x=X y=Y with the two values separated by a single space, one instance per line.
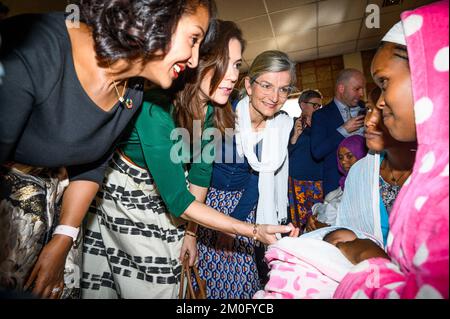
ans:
x=214 y=55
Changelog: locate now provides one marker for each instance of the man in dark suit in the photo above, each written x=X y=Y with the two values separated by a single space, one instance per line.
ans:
x=336 y=121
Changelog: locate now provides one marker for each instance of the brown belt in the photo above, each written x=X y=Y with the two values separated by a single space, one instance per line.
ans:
x=129 y=159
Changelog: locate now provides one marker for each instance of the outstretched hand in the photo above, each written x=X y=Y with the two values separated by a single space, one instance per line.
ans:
x=267 y=233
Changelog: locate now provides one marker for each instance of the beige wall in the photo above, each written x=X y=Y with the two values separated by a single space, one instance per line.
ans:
x=320 y=74
x=353 y=61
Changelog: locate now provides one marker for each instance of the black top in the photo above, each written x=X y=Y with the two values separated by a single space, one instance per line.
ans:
x=46 y=118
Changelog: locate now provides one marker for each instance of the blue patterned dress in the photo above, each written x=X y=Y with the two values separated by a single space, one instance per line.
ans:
x=227 y=277
x=234 y=192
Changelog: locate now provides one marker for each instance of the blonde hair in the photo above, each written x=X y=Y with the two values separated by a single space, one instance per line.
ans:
x=270 y=61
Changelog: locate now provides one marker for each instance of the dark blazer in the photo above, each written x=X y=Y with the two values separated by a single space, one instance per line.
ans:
x=325 y=140
x=302 y=165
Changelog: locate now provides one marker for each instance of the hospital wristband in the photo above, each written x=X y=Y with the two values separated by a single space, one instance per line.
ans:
x=67 y=231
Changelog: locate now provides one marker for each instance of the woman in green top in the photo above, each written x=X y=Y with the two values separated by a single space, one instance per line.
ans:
x=136 y=228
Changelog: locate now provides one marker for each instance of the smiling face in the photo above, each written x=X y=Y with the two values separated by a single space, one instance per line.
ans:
x=222 y=93
x=264 y=93
x=390 y=71
x=183 y=52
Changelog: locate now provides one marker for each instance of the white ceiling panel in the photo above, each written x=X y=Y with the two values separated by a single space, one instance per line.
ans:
x=298 y=27
x=298 y=41
x=308 y=29
x=278 y=5
x=290 y=21
x=304 y=55
x=330 y=50
x=256 y=29
x=255 y=48
x=338 y=33
x=338 y=11
x=240 y=9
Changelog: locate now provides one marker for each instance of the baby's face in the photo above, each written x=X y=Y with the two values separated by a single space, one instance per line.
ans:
x=340 y=236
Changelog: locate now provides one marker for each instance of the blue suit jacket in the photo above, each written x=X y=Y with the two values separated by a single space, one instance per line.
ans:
x=325 y=140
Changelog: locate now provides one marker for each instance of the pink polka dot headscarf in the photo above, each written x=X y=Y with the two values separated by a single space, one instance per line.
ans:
x=425 y=198
x=422 y=205
x=418 y=241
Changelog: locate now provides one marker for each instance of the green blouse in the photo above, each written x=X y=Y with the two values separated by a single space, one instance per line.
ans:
x=148 y=144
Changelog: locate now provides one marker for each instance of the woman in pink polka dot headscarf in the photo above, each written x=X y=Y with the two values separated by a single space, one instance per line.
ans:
x=411 y=67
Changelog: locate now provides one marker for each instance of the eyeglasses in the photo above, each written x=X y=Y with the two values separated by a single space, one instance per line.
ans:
x=267 y=89
x=316 y=106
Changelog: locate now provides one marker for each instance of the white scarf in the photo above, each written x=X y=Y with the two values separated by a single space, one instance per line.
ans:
x=360 y=205
x=273 y=188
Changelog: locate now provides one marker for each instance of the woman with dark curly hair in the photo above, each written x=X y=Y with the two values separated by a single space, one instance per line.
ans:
x=70 y=89
x=137 y=228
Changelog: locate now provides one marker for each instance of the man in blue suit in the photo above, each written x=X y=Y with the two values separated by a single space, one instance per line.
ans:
x=336 y=121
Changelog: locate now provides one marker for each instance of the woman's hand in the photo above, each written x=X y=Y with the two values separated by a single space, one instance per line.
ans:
x=266 y=233
x=224 y=243
x=359 y=250
x=48 y=272
x=189 y=246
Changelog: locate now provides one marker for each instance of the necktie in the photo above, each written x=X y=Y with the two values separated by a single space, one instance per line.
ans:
x=349 y=113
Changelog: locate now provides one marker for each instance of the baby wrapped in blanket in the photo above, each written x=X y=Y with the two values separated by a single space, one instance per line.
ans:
x=310 y=266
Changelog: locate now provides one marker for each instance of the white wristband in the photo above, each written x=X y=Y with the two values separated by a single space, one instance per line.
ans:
x=67 y=231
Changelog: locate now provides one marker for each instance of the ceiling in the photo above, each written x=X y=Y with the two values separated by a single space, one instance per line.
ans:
x=308 y=29
x=305 y=29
